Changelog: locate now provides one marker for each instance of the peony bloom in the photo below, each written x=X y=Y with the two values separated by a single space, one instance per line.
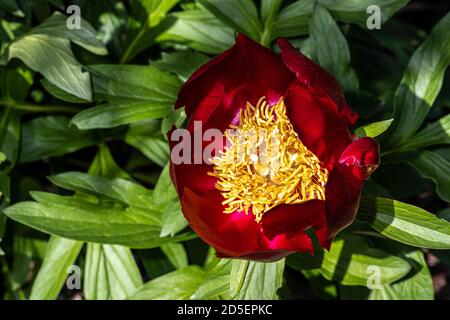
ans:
x=260 y=210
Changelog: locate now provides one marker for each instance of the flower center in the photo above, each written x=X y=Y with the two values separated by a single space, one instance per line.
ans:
x=266 y=164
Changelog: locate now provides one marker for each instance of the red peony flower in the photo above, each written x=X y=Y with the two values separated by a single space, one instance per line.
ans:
x=257 y=209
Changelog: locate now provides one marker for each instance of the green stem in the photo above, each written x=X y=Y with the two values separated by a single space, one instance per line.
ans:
x=265 y=37
x=127 y=53
x=37 y=108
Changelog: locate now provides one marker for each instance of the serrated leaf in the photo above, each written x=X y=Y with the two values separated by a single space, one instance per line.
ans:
x=405 y=223
x=373 y=129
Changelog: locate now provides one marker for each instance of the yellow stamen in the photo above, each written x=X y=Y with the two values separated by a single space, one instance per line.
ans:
x=266 y=164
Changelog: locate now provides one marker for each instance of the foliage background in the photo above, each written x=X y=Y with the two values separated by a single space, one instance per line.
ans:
x=83 y=148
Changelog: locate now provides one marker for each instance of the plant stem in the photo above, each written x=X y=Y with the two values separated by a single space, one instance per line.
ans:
x=37 y=108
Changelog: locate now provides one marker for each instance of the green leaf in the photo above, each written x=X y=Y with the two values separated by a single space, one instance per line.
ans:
x=434 y=134
x=52 y=56
x=9 y=146
x=176 y=254
x=322 y=288
x=60 y=94
x=173 y=220
x=262 y=281
x=405 y=223
x=51 y=136
x=59 y=256
x=164 y=189
x=293 y=20
x=176 y=118
x=10 y=134
x=120 y=190
x=26 y=250
x=182 y=63
x=15 y=83
x=331 y=48
x=418 y=286
x=111 y=272
x=105 y=166
x=269 y=11
x=148 y=139
x=12 y=7
x=182 y=283
x=350 y=258
x=85 y=37
x=355 y=11
x=373 y=129
x=421 y=84
x=216 y=284
x=146 y=15
x=237 y=276
x=432 y=166
x=200 y=30
x=133 y=93
x=238 y=14
x=94 y=222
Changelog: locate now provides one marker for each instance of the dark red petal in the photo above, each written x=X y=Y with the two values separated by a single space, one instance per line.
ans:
x=318 y=80
x=293 y=219
x=343 y=192
x=202 y=81
x=322 y=131
x=234 y=234
x=264 y=67
x=246 y=63
x=364 y=153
